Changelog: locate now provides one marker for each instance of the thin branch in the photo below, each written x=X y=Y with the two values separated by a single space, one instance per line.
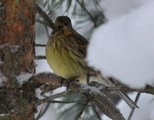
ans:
x=58 y=95
x=82 y=109
x=148 y=89
x=54 y=101
x=107 y=107
x=41 y=22
x=104 y=103
x=57 y=81
x=94 y=95
x=75 y=86
x=47 y=31
x=103 y=88
x=95 y=111
x=91 y=17
x=63 y=102
x=133 y=109
x=40 y=57
x=42 y=111
x=40 y=45
x=45 y=17
x=118 y=90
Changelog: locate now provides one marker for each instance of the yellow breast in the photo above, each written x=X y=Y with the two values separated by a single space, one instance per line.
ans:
x=62 y=61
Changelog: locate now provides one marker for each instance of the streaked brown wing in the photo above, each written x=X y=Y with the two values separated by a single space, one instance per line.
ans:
x=80 y=45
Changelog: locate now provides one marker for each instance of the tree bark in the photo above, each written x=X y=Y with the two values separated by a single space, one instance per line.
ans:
x=16 y=59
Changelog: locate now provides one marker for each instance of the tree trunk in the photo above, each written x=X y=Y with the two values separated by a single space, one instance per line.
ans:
x=16 y=59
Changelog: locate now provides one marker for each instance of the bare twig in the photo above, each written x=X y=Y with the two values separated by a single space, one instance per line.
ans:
x=103 y=103
x=40 y=45
x=46 y=18
x=47 y=103
x=57 y=101
x=63 y=102
x=107 y=107
x=40 y=57
x=41 y=22
x=133 y=109
x=94 y=95
x=148 y=89
x=79 y=114
x=42 y=111
x=58 y=95
x=95 y=111
x=47 y=31
x=91 y=17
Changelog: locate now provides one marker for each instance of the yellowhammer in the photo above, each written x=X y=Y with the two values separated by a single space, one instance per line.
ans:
x=66 y=51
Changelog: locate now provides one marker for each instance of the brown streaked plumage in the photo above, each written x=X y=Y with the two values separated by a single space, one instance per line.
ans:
x=66 y=51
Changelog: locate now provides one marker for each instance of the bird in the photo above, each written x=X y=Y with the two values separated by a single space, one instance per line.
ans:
x=66 y=52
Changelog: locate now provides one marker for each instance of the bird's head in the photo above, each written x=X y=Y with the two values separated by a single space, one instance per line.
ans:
x=61 y=22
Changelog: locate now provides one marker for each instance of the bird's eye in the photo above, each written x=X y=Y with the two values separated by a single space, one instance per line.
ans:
x=59 y=26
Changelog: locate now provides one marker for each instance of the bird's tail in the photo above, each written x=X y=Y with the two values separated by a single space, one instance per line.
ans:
x=112 y=83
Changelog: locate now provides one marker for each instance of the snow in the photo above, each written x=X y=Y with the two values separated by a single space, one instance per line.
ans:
x=145 y=110
x=123 y=48
x=2 y=79
x=42 y=66
x=23 y=76
x=116 y=8
x=50 y=113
